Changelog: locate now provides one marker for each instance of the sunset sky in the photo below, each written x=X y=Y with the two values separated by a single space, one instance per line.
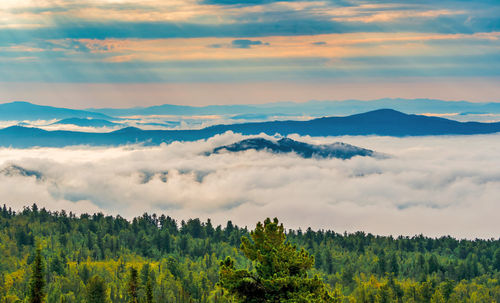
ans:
x=122 y=53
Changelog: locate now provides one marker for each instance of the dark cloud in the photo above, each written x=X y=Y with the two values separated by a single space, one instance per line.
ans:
x=319 y=43
x=469 y=17
x=242 y=2
x=300 y=24
x=157 y=30
x=239 y=43
x=245 y=43
x=217 y=45
x=261 y=2
x=42 y=10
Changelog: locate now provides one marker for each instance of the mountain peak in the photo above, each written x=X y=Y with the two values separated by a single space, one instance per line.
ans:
x=305 y=150
x=15 y=170
x=86 y=122
x=129 y=129
x=19 y=102
x=383 y=113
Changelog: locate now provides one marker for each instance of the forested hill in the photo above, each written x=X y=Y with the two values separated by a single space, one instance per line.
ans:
x=179 y=261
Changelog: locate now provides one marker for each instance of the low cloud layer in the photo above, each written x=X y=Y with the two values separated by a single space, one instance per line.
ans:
x=155 y=122
x=431 y=185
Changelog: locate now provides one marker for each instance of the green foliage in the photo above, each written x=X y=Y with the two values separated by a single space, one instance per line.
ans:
x=181 y=262
x=133 y=286
x=96 y=290
x=149 y=281
x=496 y=260
x=281 y=271
x=37 y=283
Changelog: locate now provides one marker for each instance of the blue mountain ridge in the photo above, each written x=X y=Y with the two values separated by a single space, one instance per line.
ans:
x=27 y=111
x=85 y=122
x=20 y=110
x=383 y=122
x=315 y=108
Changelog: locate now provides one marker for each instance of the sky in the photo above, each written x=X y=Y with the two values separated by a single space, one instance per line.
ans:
x=435 y=185
x=122 y=53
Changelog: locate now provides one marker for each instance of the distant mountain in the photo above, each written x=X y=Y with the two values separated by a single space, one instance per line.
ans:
x=254 y=116
x=286 y=145
x=169 y=109
x=27 y=111
x=14 y=170
x=415 y=106
x=313 y=108
x=85 y=122
x=165 y=124
x=384 y=122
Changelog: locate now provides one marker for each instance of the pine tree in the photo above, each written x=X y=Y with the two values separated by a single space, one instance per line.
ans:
x=96 y=291
x=37 y=283
x=149 y=292
x=133 y=285
x=394 y=267
x=280 y=273
x=147 y=284
x=496 y=260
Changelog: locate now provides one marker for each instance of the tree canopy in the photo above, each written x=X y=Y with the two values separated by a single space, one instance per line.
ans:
x=180 y=261
x=281 y=270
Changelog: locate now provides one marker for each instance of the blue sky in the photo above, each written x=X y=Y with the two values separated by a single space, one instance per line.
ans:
x=102 y=47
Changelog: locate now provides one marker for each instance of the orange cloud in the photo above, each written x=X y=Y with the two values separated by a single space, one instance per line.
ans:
x=332 y=46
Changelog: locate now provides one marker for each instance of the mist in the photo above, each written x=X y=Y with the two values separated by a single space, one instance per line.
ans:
x=437 y=185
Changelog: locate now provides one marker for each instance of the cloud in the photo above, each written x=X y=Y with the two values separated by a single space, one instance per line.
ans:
x=430 y=185
x=241 y=2
x=245 y=43
x=248 y=59
x=239 y=43
x=269 y=18
x=64 y=41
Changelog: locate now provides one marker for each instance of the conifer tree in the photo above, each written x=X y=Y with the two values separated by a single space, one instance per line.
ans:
x=96 y=290
x=149 y=291
x=147 y=283
x=496 y=260
x=280 y=273
x=133 y=285
x=37 y=283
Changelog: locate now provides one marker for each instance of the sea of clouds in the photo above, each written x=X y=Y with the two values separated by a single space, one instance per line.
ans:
x=437 y=185
x=154 y=122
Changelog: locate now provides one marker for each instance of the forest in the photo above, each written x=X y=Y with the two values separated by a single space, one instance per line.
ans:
x=154 y=258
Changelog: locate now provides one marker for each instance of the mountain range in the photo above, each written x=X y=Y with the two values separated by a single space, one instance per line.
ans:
x=27 y=111
x=313 y=108
x=383 y=122
x=19 y=111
